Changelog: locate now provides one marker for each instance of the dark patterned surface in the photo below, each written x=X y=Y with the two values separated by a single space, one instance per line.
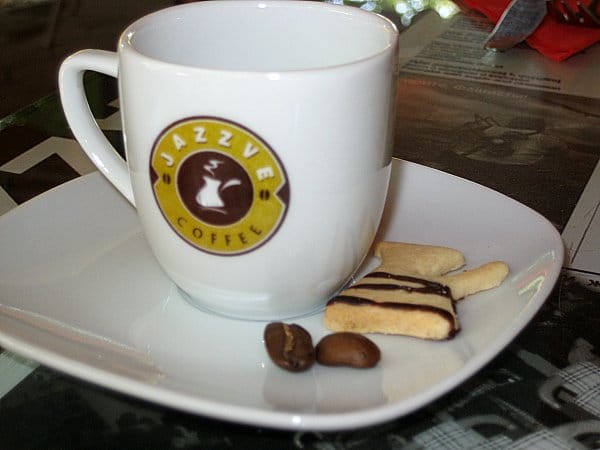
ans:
x=37 y=123
x=540 y=153
x=36 y=35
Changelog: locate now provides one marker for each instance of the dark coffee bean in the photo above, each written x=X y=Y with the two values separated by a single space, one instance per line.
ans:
x=289 y=346
x=347 y=349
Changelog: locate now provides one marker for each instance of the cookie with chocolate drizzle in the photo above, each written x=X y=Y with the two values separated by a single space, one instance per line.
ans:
x=411 y=293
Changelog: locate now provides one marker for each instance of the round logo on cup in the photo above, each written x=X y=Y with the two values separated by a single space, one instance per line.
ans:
x=220 y=187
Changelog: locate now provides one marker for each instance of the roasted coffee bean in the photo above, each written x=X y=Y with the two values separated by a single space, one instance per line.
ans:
x=289 y=346
x=347 y=349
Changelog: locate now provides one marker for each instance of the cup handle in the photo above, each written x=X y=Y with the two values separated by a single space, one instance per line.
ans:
x=82 y=122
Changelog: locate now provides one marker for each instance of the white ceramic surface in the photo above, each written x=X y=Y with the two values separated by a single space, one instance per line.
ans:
x=287 y=99
x=81 y=292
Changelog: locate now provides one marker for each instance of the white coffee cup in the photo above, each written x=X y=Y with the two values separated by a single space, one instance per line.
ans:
x=258 y=142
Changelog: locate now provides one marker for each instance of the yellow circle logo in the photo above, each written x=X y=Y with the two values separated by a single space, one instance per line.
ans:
x=219 y=186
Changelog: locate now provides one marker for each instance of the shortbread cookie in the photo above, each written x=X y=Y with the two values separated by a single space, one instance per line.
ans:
x=411 y=293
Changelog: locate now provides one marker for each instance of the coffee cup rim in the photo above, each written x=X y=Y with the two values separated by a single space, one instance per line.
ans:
x=126 y=44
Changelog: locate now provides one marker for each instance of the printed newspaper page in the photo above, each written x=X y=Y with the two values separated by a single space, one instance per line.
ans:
x=465 y=110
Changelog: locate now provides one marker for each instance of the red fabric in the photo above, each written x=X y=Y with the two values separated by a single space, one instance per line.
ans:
x=553 y=39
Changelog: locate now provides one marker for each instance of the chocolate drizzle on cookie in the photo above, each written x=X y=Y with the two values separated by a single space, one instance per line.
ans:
x=427 y=287
x=361 y=301
x=395 y=282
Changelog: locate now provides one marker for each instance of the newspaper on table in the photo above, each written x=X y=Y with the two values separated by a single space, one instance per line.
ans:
x=465 y=110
